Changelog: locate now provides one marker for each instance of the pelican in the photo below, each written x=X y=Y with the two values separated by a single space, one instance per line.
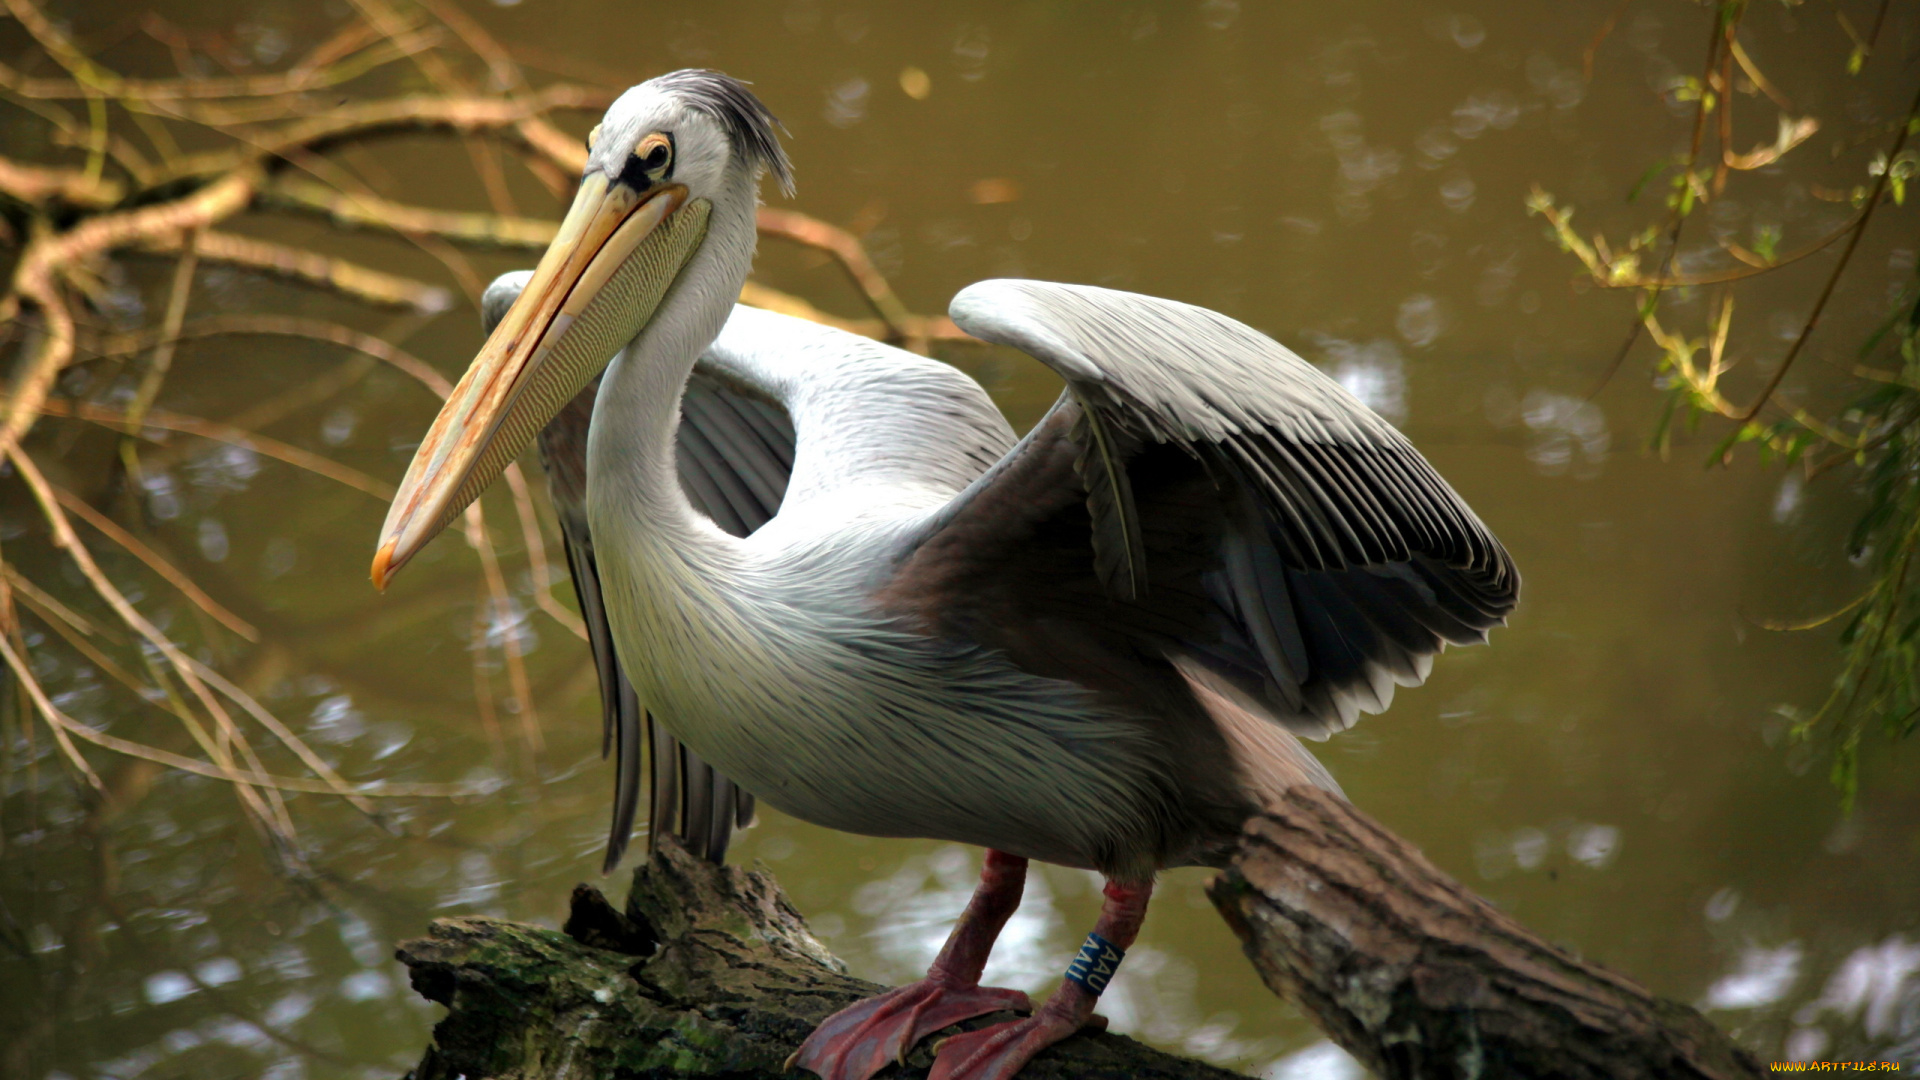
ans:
x=1095 y=645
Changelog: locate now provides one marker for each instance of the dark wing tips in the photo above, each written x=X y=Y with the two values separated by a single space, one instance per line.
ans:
x=751 y=127
x=626 y=785
x=690 y=800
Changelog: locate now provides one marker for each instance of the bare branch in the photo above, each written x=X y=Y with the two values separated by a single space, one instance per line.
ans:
x=313 y=268
x=162 y=360
x=54 y=609
x=537 y=554
x=64 y=725
x=501 y=605
x=301 y=79
x=370 y=119
x=170 y=573
x=37 y=185
x=354 y=211
x=233 y=436
x=1833 y=279
x=54 y=718
x=34 y=279
x=852 y=256
x=321 y=330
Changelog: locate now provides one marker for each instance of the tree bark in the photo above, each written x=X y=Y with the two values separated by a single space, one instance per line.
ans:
x=1417 y=977
x=708 y=972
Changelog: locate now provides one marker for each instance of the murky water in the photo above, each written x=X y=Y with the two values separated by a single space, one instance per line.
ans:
x=1348 y=177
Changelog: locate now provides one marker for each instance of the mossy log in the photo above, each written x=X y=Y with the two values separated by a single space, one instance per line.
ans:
x=711 y=972
x=1419 y=978
x=708 y=972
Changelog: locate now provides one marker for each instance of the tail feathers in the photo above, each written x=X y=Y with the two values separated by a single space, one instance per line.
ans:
x=1268 y=759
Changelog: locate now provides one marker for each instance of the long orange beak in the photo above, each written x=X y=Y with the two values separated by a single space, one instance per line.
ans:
x=617 y=254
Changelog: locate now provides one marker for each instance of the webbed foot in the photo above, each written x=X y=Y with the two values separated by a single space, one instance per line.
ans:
x=1001 y=1051
x=869 y=1035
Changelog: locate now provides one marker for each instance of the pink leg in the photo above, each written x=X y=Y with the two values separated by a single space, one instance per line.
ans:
x=1001 y=1051
x=867 y=1036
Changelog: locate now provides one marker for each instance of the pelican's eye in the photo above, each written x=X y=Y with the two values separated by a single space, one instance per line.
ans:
x=652 y=161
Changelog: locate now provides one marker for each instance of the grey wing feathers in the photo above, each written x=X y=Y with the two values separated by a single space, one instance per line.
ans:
x=865 y=413
x=735 y=452
x=1344 y=562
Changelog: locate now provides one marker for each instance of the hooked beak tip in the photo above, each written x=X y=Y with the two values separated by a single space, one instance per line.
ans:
x=383 y=566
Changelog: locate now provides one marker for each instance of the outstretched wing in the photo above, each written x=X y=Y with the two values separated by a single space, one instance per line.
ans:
x=735 y=453
x=1203 y=495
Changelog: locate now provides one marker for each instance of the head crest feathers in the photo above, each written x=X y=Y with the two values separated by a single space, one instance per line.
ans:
x=750 y=126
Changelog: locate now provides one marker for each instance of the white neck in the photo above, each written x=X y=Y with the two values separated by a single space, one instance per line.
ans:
x=632 y=481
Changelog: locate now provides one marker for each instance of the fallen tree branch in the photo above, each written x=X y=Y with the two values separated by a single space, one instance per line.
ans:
x=1419 y=978
x=708 y=972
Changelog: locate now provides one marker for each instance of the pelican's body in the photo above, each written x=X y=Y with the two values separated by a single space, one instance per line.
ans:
x=783 y=659
x=1093 y=646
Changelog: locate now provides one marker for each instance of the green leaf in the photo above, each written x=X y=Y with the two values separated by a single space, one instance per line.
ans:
x=1846 y=771
x=1734 y=438
x=1647 y=177
x=1662 y=439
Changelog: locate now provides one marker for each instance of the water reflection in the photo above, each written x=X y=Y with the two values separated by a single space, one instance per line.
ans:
x=1876 y=987
x=912 y=909
x=1529 y=848
x=1764 y=977
x=1569 y=434
x=1321 y=1061
x=1372 y=371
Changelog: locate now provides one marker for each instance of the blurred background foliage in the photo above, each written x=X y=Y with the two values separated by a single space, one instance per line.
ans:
x=1861 y=414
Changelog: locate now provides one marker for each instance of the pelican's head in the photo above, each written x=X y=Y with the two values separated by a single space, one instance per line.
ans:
x=667 y=152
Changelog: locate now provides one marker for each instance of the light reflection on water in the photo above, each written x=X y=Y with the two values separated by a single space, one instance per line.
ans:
x=1342 y=176
x=912 y=909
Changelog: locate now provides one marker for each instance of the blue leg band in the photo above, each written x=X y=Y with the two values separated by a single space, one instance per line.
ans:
x=1093 y=968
